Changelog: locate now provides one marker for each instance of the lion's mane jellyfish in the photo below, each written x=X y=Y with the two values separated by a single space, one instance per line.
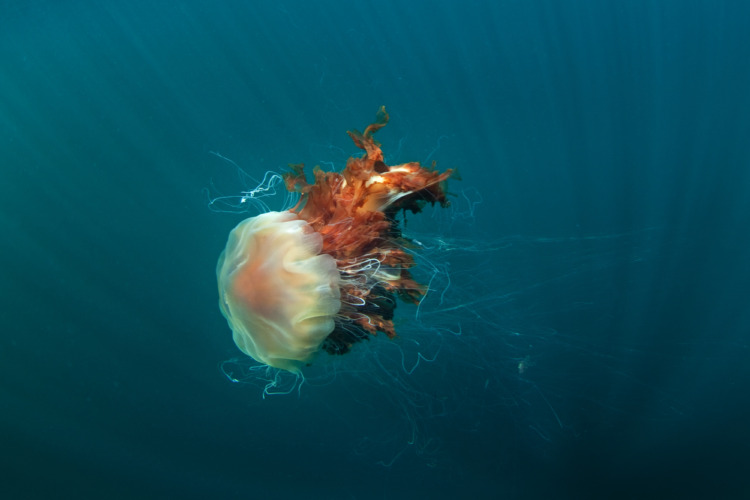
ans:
x=326 y=274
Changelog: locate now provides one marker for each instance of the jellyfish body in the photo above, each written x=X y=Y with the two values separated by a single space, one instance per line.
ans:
x=278 y=293
x=326 y=274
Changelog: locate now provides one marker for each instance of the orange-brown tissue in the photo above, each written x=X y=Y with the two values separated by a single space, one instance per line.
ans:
x=355 y=213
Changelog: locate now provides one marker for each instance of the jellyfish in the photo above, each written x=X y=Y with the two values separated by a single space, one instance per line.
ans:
x=326 y=274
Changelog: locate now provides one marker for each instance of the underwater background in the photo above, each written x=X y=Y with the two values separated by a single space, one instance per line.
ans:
x=586 y=329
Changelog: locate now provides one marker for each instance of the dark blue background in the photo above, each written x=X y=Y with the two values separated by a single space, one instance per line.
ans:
x=597 y=240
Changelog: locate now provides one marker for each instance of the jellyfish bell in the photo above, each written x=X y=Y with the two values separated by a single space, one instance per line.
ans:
x=326 y=274
x=278 y=293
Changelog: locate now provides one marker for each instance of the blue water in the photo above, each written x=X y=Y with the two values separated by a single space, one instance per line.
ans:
x=586 y=330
